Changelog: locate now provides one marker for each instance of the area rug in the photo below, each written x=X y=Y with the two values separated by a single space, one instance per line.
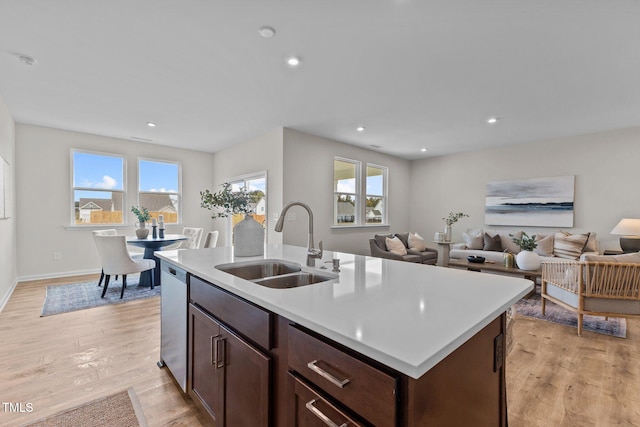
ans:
x=531 y=307
x=79 y=296
x=121 y=409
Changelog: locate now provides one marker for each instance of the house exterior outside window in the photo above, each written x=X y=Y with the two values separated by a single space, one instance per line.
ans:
x=346 y=184
x=98 y=188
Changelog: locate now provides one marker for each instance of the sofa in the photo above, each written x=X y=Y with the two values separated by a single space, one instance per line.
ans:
x=596 y=285
x=413 y=245
x=491 y=244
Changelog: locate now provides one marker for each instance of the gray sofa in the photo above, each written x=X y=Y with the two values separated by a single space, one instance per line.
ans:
x=379 y=249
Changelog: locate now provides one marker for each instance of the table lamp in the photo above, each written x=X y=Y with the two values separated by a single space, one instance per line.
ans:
x=629 y=229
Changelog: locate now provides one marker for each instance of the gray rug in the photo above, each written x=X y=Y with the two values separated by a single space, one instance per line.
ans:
x=531 y=307
x=78 y=296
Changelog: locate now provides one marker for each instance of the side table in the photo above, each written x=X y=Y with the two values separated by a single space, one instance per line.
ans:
x=443 y=253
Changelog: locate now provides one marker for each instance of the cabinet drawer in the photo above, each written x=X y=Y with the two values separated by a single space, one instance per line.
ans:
x=364 y=389
x=249 y=320
x=311 y=410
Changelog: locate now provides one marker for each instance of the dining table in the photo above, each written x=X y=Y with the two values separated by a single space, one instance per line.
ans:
x=150 y=245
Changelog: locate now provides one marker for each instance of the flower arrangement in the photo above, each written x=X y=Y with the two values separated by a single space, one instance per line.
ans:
x=228 y=202
x=526 y=242
x=141 y=213
x=454 y=217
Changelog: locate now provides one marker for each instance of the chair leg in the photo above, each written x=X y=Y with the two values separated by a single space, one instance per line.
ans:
x=106 y=285
x=542 y=304
x=101 y=277
x=124 y=285
x=580 y=316
x=153 y=278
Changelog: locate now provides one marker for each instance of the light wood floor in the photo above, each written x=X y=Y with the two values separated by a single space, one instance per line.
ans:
x=554 y=377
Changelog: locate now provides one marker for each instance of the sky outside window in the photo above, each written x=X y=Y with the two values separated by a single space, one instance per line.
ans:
x=97 y=171
x=158 y=176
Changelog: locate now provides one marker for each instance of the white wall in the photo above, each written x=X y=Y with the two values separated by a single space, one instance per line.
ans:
x=606 y=187
x=308 y=177
x=8 y=259
x=43 y=194
x=260 y=154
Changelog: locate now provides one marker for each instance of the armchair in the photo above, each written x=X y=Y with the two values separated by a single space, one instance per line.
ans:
x=596 y=285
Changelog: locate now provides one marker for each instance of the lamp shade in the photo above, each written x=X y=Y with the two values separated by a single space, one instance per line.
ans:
x=627 y=227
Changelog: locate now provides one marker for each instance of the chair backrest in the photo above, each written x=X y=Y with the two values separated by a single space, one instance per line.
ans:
x=106 y=232
x=211 y=239
x=114 y=257
x=194 y=235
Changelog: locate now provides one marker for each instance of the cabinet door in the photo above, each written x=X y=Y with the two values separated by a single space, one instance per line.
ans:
x=206 y=380
x=247 y=382
x=311 y=410
x=229 y=377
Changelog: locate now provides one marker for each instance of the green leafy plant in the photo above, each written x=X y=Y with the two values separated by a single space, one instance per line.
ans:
x=141 y=213
x=526 y=242
x=454 y=217
x=226 y=201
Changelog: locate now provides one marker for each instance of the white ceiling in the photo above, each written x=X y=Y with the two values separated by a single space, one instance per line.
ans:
x=415 y=73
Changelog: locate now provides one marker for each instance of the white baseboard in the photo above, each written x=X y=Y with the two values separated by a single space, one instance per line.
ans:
x=5 y=299
x=56 y=275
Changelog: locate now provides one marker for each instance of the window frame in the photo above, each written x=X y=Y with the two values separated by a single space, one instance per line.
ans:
x=178 y=194
x=385 y=180
x=357 y=195
x=123 y=192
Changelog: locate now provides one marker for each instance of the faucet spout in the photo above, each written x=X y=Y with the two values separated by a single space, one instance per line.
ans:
x=312 y=253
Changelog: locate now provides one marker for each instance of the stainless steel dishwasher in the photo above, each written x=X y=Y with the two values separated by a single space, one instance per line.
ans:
x=173 y=323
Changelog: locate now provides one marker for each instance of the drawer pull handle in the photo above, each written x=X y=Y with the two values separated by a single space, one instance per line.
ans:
x=318 y=413
x=324 y=374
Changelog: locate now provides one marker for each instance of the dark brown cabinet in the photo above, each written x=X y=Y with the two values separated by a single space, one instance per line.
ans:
x=229 y=377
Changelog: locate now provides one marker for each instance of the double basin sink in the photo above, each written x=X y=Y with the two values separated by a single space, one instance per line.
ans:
x=273 y=273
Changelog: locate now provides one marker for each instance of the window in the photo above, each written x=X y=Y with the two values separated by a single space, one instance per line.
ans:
x=375 y=212
x=98 y=188
x=348 y=194
x=256 y=186
x=345 y=189
x=159 y=189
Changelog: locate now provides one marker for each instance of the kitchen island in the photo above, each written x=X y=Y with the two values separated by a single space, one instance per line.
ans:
x=432 y=335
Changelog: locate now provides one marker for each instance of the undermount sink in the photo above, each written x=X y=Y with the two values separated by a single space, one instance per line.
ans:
x=292 y=280
x=273 y=273
x=252 y=270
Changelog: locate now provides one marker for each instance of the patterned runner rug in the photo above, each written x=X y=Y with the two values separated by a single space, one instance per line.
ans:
x=121 y=410
x=531 y=307
x=78 y=296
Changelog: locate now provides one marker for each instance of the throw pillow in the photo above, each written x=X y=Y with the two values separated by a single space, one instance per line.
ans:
x=416 y=242
x=473 y=239
x=569 y=246
x=395 y=246
x=508 y=243
x=545 y=245
x=492 y=243
x=592 y=243
x=381 y=240
x=404 y=238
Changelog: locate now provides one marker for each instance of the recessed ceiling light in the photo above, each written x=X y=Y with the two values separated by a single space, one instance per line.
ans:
x=424 y=150
x=493 y=120
x=27 y=60
x=267 y=32
x=360 y=128
x=293 y=61
x=151 y=124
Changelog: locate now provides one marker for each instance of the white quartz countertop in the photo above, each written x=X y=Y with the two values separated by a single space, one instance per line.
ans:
x=406 y=316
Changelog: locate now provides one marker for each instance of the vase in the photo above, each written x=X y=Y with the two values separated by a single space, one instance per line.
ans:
x=528 y=260
x=447 y=233
x=248 y=237
x=142 y=232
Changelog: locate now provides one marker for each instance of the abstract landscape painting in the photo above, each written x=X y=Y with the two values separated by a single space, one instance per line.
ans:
x=534 y=202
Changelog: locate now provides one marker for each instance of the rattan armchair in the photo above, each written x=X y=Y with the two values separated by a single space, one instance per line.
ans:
x=610 y=289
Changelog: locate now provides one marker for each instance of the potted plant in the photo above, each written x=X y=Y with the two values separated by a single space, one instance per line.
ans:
x=143 y=216
x=526 y=258
x=449 y=221
x=248 y=235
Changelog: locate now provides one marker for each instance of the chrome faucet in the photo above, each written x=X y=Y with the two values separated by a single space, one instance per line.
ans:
x=312 y=253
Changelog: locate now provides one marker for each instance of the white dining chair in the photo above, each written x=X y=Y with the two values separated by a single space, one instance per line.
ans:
x=106 y=232
x=194 y=235
x=211 y=239
x=115 y=260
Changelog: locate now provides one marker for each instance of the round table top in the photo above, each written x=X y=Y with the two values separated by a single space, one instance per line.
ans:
x=158 y=242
